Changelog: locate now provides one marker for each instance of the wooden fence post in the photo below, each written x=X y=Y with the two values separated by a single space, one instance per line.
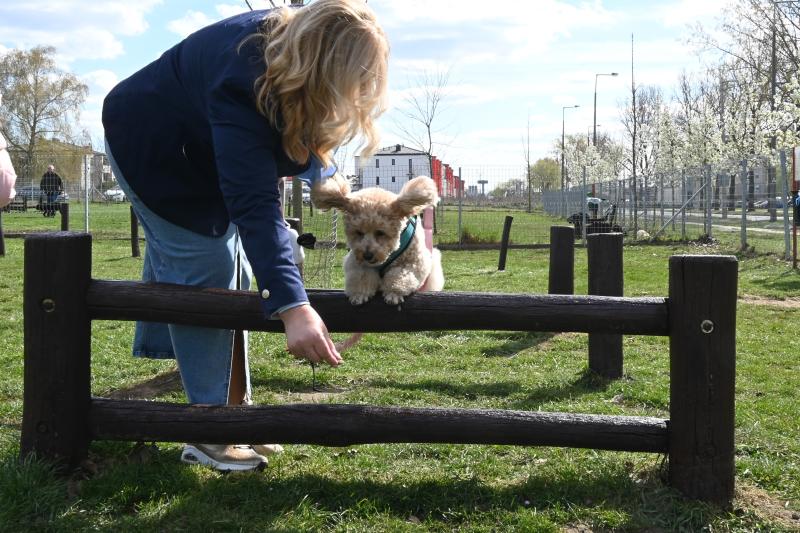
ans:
x=134 y=235
x=501 y=265
x=604 y=252
x=63 y=209
x=702 y=348
x=57 y=347
x=562 y=260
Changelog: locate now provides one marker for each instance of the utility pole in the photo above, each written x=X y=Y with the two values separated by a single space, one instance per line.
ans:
x=528 y=166
x=633 y=148
x=563 y=168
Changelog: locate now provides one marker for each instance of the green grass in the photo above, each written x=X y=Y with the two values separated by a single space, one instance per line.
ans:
x=410 y=487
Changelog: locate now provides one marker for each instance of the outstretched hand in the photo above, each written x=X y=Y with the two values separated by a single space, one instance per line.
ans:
x=307 y=337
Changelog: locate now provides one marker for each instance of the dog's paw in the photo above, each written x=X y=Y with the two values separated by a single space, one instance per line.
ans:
x=393 y=298
x=359 y=298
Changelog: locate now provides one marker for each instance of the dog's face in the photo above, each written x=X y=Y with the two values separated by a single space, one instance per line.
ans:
x=372 y=228
x=375 y=218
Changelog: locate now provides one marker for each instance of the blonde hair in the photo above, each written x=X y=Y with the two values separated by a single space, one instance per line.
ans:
x=326 y=76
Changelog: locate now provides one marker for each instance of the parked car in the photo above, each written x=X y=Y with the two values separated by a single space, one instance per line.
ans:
x=115 y=195
x=776 y=204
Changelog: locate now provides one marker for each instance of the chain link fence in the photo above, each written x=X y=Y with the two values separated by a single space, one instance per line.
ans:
x=748 y=205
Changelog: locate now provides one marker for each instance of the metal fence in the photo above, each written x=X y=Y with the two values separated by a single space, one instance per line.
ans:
x=752 y=201
x=685 y=204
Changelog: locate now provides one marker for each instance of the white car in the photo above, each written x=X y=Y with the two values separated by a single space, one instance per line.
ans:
x=115 y=195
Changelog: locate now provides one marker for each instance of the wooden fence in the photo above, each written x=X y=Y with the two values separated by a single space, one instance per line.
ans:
x=61 y=418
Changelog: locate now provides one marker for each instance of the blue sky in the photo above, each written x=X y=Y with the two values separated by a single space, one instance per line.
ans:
x=507 y=60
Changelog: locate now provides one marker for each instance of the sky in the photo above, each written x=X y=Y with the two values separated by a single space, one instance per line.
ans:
x=511 y=64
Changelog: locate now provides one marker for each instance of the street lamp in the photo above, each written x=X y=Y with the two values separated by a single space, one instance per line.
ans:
x=594 y=121
x=589 y=133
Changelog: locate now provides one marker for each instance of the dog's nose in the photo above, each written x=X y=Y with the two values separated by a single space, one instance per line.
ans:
x=368 y=256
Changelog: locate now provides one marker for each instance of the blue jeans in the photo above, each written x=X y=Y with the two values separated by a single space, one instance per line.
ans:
x=176 y=255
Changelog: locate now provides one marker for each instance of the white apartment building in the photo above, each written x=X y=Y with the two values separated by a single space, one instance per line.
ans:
x=391 y=167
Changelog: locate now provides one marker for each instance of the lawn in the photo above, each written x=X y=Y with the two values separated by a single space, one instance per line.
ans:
x=411 y=487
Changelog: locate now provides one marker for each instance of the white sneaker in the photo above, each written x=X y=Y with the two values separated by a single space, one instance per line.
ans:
x=224 y=457
x=267 y=449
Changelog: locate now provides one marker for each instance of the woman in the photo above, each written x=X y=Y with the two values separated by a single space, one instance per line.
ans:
x=198 y=141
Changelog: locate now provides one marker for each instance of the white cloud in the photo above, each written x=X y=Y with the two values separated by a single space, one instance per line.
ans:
x=511 y=32
x=229 y=10
x=79 y=30
x=683 y=12
x=194 y=20
x=100 y=80
x=190 y=22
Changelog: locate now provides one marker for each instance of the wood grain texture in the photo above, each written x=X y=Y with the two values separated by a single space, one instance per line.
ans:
x=222 y=308
x=343 y=425
x=702 y=306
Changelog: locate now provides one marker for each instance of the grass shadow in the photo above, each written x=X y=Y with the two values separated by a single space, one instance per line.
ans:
x=586 y=382
x=786 y=282
x=516 y=343
x=285 y=500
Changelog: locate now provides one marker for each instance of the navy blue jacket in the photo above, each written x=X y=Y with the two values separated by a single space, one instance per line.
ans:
x=189 y=140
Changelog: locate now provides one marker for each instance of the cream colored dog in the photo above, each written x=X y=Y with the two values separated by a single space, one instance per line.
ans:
x=385 y=237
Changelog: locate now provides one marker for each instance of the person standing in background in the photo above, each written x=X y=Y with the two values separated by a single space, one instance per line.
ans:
x=51 y=186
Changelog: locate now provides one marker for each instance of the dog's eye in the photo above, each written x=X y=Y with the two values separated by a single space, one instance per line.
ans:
x=359 y=233
x=380 y=234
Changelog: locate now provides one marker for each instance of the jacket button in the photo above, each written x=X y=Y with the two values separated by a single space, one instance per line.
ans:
x=265 y=294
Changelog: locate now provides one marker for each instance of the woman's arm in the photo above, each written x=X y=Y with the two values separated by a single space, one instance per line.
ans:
x=244 y=151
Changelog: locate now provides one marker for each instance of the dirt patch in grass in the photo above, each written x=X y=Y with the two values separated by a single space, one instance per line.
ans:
x=319 y=395
x=163 y=383
x=787 y=303
x=767 y=507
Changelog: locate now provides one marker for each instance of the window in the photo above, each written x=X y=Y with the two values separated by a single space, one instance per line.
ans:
x=377 y=163
x=392 y=162
x=378 y=180
x=392 y=179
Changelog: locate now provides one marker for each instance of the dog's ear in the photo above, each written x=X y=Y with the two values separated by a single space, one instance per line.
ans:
x=415 y=196
x=333 y=192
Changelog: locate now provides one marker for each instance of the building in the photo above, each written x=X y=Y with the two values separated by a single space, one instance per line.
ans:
x=392 y=167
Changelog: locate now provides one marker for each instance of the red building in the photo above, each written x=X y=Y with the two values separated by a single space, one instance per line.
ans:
x=436 y=171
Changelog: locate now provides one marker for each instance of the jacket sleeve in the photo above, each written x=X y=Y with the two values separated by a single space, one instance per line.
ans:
x=244 y=150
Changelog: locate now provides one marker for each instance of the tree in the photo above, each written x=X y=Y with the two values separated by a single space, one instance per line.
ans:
x=640 y=119
x=40 y=101
x=421 y=109
x=509 y=188
x=546 y=173
x=527 y=156
x=758 y=44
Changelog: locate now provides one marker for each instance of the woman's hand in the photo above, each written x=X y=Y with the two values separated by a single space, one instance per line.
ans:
x=307 y=336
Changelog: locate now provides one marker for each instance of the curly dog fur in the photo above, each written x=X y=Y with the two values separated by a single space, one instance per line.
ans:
x=374 y=220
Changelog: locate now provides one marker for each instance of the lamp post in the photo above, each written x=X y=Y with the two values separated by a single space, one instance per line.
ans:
x=589 y=133
x=594 y=121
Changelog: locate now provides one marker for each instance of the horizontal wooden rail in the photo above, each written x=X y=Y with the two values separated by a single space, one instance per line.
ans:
x=220 y=308
x=343 y=425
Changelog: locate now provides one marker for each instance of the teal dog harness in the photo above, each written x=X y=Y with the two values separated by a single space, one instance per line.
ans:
x=405 y=239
